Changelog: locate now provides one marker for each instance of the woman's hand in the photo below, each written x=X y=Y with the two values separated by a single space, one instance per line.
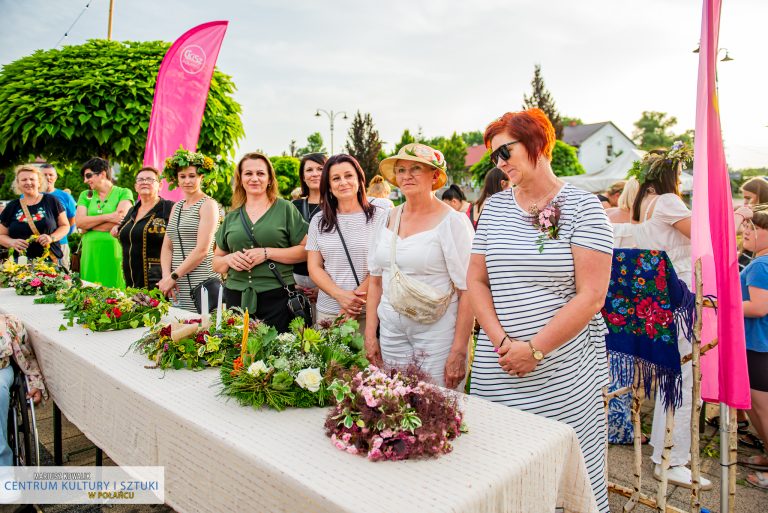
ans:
x=239 y=261
x=19 y=244
x=44 y=240
x=516 y=358
x=257 y=256
x=744 y=211
x=167 y=286
x=351 y=302
x=35 y=394
x=455 y=368
x=113 y=231
x=115 y=217
x=310 y=292
x=373 y=349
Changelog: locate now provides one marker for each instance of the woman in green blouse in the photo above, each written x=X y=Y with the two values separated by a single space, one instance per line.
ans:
x=280 y=234
x=98 y=211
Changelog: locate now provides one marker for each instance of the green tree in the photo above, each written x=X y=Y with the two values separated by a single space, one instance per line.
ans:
x=653 y=130
x=95 y=99
x=565 y=160
x=406 y=138
x=541 y=98
x=314 y=145
x=480 y=169
x=287 y=171
x=568 y=121
x=364 y=144
x=472 y=138
x=455 y=152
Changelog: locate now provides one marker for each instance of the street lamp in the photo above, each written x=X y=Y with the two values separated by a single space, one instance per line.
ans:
x=726 y=58
x=331 y=117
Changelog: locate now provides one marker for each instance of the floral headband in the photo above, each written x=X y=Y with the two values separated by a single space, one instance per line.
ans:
x=653 y=165
x=182 y=158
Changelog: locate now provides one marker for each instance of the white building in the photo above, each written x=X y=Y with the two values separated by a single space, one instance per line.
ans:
x=598 y=144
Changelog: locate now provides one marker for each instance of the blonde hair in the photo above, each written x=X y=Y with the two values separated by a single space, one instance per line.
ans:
x=296 y=193
x=378 y=187
x=27 y=168
x=238 y=191
x=616 y=187
x=628 y=195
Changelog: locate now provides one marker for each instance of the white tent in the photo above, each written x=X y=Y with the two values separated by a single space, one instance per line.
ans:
x=615 y=171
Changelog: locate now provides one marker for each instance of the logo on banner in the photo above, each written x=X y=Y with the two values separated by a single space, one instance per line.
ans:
x=192 y=59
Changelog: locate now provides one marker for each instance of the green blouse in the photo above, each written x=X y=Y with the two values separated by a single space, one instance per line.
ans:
x=281 y=226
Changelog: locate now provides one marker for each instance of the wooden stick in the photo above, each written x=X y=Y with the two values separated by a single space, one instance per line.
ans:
x=696 y=405
x=702 y=349
x=616 y=393
x=638 y=394
x=661 y=494
x=709 y=303
x=643 y=499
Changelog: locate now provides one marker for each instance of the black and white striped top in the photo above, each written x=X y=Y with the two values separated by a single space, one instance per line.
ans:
x=185 y=223
x=528 y=289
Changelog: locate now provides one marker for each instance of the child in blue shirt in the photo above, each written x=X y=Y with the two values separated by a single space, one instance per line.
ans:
x=754 y=293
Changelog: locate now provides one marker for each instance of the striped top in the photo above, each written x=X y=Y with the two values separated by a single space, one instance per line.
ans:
x=184 y=222
x=357 y=234
x=528 y=288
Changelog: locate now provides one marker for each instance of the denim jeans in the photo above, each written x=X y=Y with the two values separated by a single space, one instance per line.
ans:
x=6 y=378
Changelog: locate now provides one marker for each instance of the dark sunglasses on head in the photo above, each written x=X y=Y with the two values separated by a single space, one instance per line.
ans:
x=502 y=152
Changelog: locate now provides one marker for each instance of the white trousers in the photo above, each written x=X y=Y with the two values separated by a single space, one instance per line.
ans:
x=405 y=341
x=681 y=432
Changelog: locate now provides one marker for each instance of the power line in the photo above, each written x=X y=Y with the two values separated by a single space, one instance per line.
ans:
x=73 y=23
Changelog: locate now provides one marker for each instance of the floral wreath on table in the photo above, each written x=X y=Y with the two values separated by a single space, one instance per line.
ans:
x=654 y=163
x=207 y=166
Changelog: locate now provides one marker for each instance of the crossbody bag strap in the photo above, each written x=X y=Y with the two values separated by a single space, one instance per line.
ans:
x=349 y=258
x=305 y=208
x=29 y=217
x=395 y=231
x=181 y=244
x=270 y=264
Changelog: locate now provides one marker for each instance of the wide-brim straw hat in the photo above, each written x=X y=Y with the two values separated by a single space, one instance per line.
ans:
x=415 y=152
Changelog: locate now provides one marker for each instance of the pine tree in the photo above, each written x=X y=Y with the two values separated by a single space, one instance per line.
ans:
x=364 y=144
x=406 y=138
x=541 y=98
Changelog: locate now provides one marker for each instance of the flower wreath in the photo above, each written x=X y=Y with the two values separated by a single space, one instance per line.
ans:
x=653 y=164
x=206 y=166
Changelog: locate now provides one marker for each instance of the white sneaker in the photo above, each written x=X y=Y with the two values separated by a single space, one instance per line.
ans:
x=681 y=476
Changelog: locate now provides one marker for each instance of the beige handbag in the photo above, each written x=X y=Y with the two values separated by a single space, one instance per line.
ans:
x=410 y=297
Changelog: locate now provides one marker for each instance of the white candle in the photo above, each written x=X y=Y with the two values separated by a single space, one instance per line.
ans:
x=219 y=309
x=204 y=303
x=22 y=260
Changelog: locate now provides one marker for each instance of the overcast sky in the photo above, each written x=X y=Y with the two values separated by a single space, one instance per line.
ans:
x=442 y=65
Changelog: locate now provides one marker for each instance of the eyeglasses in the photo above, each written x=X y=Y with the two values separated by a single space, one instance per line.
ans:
x=88 y=176
x=413 y=171
x=502 y=152
x=146 y=180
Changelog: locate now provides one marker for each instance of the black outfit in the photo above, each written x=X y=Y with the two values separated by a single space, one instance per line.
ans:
x=757 y=364
x=44 y=214
x=745 y=257
x=270 y=308
x=308 y=210
x=142 y=241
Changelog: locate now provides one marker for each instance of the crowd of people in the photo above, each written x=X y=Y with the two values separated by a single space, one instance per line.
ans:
x=526 y=267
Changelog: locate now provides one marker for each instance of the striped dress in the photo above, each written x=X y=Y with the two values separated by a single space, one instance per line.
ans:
x=528 y=289
x=185 y=222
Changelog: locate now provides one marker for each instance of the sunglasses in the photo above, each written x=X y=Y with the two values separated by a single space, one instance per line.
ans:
x=89 y=175
x=502 y=152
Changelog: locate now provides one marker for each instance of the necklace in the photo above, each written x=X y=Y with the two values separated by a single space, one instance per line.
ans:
x=535 y=205
x=100 y=204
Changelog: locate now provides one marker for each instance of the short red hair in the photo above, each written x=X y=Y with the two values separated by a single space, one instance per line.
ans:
x=531 y=127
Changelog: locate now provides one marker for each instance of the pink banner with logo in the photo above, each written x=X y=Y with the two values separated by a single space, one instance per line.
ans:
x=713 y=235
x=181 y=92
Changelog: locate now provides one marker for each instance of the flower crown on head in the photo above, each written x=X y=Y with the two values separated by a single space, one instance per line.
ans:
x=182 y=158
x=654 y=164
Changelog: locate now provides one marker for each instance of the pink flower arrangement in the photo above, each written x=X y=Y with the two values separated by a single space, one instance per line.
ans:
x=546 y=221
x=36 y=282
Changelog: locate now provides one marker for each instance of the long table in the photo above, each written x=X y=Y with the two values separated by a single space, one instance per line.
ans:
x=219 y=456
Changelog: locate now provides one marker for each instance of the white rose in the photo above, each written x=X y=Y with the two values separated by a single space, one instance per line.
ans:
x=309 y=379
x=257 y=368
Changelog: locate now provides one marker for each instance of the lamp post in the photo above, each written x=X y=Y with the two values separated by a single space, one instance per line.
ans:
x=331 y=117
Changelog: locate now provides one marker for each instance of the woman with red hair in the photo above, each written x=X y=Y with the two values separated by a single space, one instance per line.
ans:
x=537 y=280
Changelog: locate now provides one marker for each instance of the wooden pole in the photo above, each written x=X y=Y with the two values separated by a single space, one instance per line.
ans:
x=696 y=405
x=661 y=494
x=109 y=26
x=642 y=499
x=638 y=394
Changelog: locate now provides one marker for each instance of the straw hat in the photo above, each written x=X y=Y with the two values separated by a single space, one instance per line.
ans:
x=415 y=152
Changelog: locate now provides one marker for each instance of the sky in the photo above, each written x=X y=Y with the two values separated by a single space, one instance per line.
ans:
x=441 y=65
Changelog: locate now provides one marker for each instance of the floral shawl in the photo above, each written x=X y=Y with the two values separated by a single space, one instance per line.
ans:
x=645 y=305
x=14 y=344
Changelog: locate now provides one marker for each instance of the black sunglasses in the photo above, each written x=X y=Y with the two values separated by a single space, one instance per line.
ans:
x=502 y=152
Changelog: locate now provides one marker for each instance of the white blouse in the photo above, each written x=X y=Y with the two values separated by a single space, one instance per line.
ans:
x=436 y=257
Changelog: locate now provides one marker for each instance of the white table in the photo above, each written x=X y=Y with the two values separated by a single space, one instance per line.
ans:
x=219 y=456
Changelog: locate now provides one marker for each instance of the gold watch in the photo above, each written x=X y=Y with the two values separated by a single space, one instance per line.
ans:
x=537 y=355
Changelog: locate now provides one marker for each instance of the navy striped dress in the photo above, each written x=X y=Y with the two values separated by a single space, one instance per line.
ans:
x=528 y=289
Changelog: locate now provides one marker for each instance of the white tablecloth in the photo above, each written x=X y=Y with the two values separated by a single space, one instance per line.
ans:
x=219 y=456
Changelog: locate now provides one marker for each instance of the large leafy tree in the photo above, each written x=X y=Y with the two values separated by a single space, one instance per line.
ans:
x=406 y=138
x=287 y=171
x=455 y=152
x=364 y=144
x=541 y=98
x=653 y=130
x=95 y=99
x=314 y=145
x=565 y=162
x=472 y=138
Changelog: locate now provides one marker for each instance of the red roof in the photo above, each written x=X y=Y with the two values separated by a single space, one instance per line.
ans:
x=474 y=154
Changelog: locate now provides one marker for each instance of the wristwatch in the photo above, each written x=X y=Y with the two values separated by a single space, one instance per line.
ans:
x=174 y=276
x=537 y=355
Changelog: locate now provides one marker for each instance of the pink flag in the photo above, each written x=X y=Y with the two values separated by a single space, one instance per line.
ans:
x=180 y=95
x=713 y=237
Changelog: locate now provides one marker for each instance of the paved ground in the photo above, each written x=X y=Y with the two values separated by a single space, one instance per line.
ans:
x=78 y=450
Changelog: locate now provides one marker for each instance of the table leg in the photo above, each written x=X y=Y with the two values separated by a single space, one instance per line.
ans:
x=58 y=458
x=99 y=457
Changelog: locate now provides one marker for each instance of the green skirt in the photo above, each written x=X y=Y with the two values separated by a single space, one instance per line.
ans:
x=102 y=260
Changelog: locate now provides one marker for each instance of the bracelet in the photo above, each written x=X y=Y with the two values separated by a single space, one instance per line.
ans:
x=497 y=349
x=265 y=254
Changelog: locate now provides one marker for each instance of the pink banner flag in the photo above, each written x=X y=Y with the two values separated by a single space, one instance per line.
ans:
x=181 y=92
x=713 y=236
